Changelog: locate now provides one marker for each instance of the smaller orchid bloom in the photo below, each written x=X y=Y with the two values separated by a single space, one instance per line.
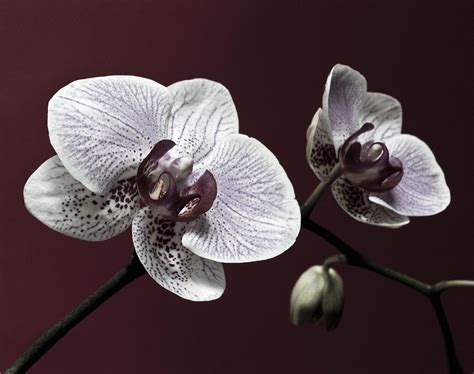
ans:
x=169 y=162
x=379 y=176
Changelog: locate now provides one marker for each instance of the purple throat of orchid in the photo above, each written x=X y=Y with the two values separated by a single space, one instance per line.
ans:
x=369 y=165
x=165 y=184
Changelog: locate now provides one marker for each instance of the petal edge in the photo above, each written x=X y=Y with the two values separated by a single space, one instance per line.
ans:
x=255 y=215
x=354 y=201
x=65 y=205
x=202 y=113
x=158 y=245
x=423 y=190
x=102 y=127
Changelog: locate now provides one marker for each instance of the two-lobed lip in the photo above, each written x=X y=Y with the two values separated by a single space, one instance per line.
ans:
x=369 y=165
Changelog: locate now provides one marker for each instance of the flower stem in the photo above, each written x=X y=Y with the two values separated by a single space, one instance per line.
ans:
x=336 y=259
x=444 y=285
x=453 y=364
x=127 y=274
x=308 y=206
x=354 y=258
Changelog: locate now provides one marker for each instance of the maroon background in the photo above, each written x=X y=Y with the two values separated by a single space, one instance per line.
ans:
x=274 y=57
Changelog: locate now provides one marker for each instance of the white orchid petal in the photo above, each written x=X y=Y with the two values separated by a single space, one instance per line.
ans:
x=356 y=203
x=320 y=151
x=203 y=112
x=343 y=99
x=255 y=215
x=157 y=242
x=384 y=112
x=101 y=128
x=422 y=190
x=64 y=204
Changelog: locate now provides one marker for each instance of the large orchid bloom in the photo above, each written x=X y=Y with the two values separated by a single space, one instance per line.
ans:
x=169 y=161
x=382 y=176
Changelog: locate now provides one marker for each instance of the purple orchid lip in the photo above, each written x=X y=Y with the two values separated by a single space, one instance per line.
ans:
x=164 y=185
x=369 y=165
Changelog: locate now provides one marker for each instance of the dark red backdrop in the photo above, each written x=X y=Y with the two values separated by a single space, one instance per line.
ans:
x=274 y=58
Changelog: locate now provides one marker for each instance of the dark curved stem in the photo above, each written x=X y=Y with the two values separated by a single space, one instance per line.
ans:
x=309 y=204
x=354 y=258
x=127 y=274
x=453 y=363
x=455 y=283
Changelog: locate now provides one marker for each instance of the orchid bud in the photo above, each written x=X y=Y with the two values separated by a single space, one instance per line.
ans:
x=317 y=297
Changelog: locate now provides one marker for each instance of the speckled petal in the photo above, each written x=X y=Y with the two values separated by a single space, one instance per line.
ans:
x=255 y=215
x=62 y=203
x=320 y=151
x=343 y=99
x=422 y=190
x=203 y=112
x=101 y=128
x=158 y=245
x=356 y=203
x=385 y=113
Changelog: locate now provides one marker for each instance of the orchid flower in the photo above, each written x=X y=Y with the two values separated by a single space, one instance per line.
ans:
x=169 y=162
x=378 y=175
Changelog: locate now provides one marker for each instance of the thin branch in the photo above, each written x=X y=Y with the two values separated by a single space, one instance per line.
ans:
x=333 y=260
x=452 y=361
x=127 y=274
x=309 y=204
x=354 y=258
x=444 y=285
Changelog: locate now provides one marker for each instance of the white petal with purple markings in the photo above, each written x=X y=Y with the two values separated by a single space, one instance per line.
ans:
x=64 y=204
x=158 y=245
x=255 y=215
x=355 y=202
x=202 y=113
x=101 y=128
x=422 y=190
x=384 y=112
x=343 y=99
x=320 y=151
